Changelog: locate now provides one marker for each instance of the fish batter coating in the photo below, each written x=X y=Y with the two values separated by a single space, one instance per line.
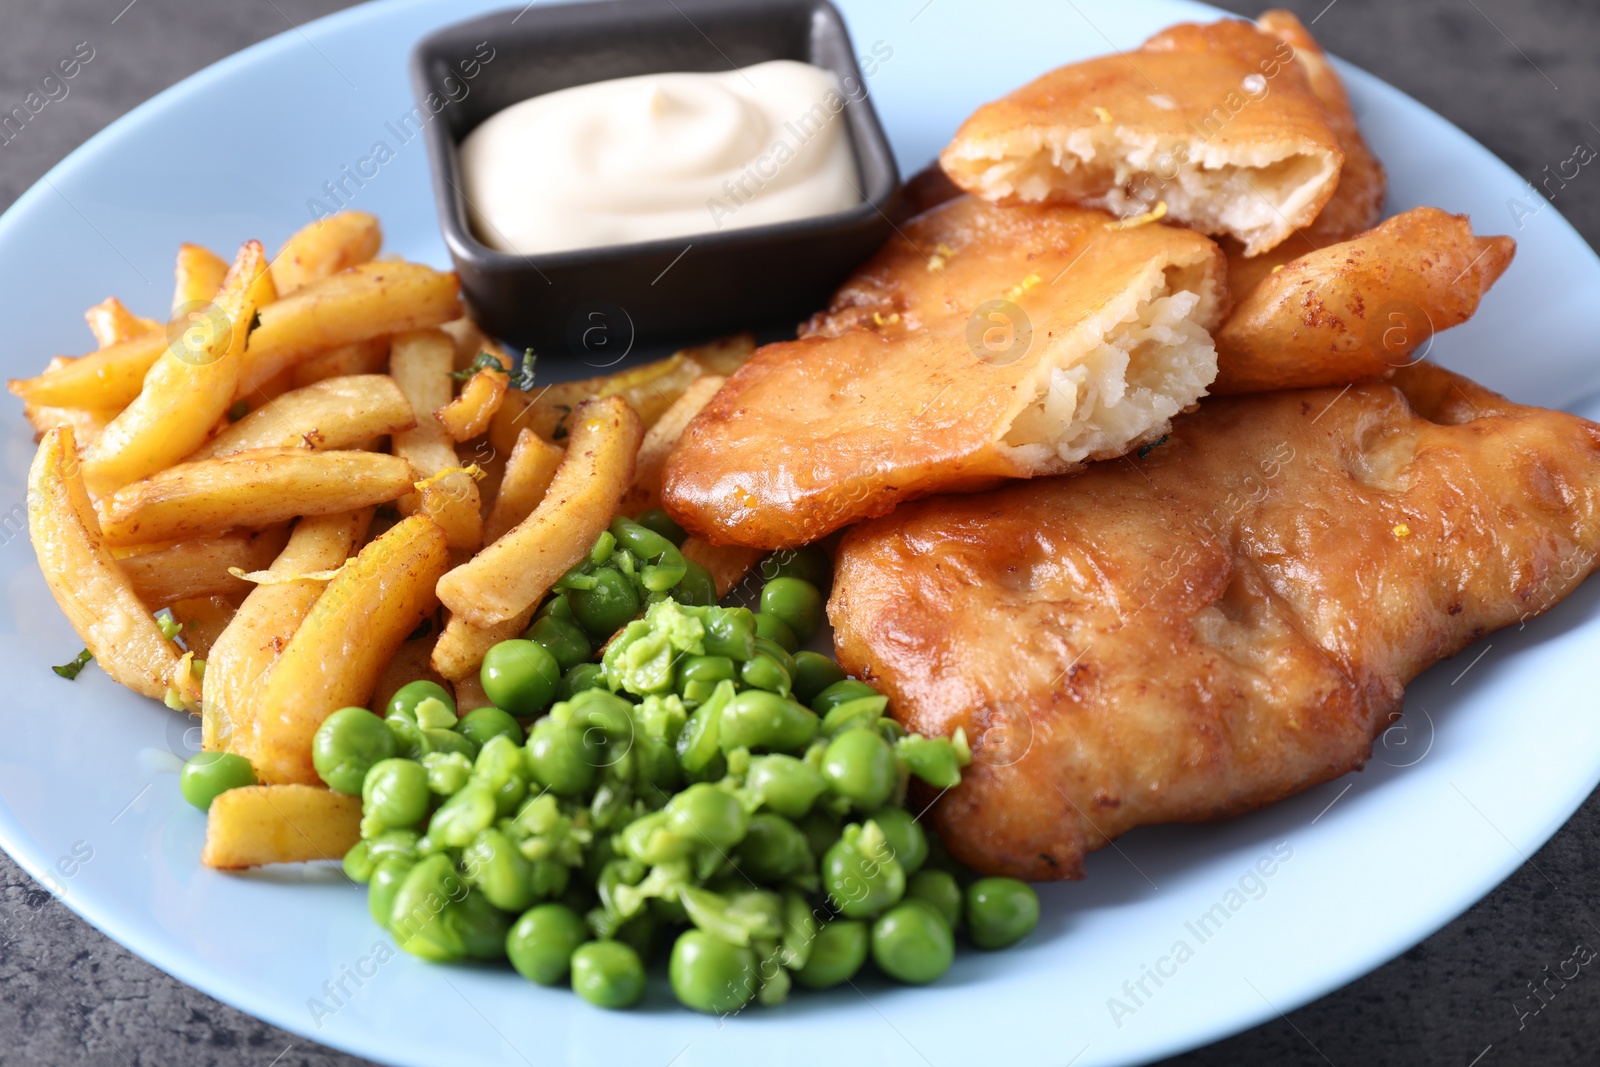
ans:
x=1219 y=625
x=981 y=343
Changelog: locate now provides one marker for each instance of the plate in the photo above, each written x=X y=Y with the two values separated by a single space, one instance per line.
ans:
x=1179 y=935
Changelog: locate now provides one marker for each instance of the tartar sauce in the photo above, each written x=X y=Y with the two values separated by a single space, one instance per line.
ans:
x=660 y=155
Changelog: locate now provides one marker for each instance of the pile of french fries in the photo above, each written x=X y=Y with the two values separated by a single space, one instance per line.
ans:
x=315 y=483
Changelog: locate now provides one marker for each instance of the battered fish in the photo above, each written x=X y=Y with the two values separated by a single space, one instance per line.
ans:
x=983 y=343
x=1217 y=122
x=1221 y=624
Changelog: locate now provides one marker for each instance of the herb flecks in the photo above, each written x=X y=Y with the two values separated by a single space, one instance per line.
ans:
x=70 y=671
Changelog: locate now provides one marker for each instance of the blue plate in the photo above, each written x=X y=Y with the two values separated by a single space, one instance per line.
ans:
x=1179 y=936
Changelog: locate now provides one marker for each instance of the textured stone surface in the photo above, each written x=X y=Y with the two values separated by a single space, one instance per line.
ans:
x=1525 y=84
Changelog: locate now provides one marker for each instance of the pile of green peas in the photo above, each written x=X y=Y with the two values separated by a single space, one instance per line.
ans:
x=706 y=791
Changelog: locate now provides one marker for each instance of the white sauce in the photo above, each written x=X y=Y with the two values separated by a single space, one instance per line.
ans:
x=660 y=155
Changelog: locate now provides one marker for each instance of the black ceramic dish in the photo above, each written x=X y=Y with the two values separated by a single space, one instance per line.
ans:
x=594 y=304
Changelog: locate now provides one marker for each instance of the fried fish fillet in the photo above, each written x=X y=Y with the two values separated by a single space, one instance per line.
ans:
x=1215 y=121
x=1220 y=625
x=983 y=343
x=1357 y=310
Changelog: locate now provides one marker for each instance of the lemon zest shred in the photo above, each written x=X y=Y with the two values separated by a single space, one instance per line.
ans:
x=1132 y=221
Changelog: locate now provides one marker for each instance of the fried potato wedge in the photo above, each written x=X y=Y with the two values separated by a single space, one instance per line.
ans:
x=420 y=362
x=362 y=357
x=187 y=390
x=93 y=592
x=527 y=477
x=107 y=379
x=250 y=489
x=331 y=414
x=462 y=645
x=203 y=620
x=112 y=323
x=511 y=575
x=1359 y=310
x=409 y=664
x=262 y=824
x=645 y=492
x=337 y=655
x=264 y=624
x=324 y=248
x=200 y=567
x=728 y=564
x=197 y=278
x=468 y=415
x=367 y=301
x=87 y=423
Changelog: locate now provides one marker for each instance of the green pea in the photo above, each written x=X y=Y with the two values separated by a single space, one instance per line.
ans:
x=859 y=765
x=697 y=743
x=861 y=875
x=583 y=676
x=463 y=816
x=936 y=760
x=649 y=839
x=1001 y=911
x=346 y=746
x=705 y=813
x=520 y=676
x=418 y=920
x=447 y=741
x=913 y=943
x=664 y=566
x=711 y=975
x=481 y=724
x=407 y=697
x=542 y=941
x=697 y=586
x=939 y=890
x=814 y=672
x=729 y=632
x=561 y=759
x=906 y=837
x=795 y=601
x=786 y=785
x=765 y=672
x=860 y=713
x=395 y=794
x=391 y=845
x=809 y=563
x=556 y=606
x=821 y=829
x=777 y=652
x=706 y=669
x=660 y=522
x=756 y=719
x=837 y=953
x=208 y=775
x=495 y=867
x=408 y=740
x=839 y=692
x=358 y=863
x=608 y=974
x=502 y=767
x=776 y=630
x=563 y=639
x=773 y=848
x=385 y=882
x=480 y=925
x=607 y=607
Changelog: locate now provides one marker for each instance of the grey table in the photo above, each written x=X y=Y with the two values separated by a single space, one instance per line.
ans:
x=1519 y=75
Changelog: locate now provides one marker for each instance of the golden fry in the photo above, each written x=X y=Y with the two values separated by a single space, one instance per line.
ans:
x=331 y=414
x=511 y=575
x=528 y=472
x=409 y=664
x=200 y=567
x=324 y=248
x=420 y=362
x=362 y=357
x=187 y=390
x=468 y=415
x=462 y=645
x=469 y=694
x=204 y=619
x=262 y=824
x=645 y=493
x=199 y=275
x=111 y=323
x=250 y=489
x=108 y=379
x=339 y=651
x=265 y=623
x=86 y=581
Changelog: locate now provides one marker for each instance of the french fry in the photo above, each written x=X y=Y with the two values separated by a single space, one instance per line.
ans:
x=461 y=646
x=250 y=489
x=199 y=275
x=87 y=423
x=187 y=390
x=367 y=301
x=527 y=477
x=264 y=624
x=332 y=414
x=111 y=323
x=199 y=567
x=107 y=379
x=204 y=619
x=511 y=575
x=420 y=362
x=469 y=340
x=728 y=564
x=645 y=492
x=469 y=694
x=468 y=415
x=362 y=357
x=335 y=657
x=324 y=248
x=261 y=824
x=410 y=664
x=94 y=594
